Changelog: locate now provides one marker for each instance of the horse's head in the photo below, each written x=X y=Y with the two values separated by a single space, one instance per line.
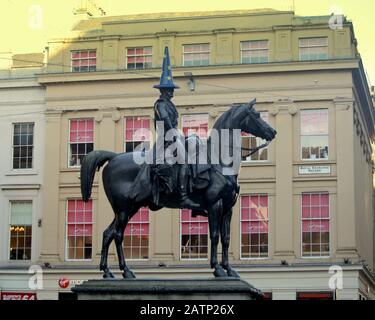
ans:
x=252 y=123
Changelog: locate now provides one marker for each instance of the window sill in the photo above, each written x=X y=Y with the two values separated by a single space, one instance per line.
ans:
x=138 y=260
x=314 y=160
x=18 y=263
x=78 y=260
x=71 y=169
x=24 y=172
x=316 y=258
x=257 y=164
x=23 y=186
x=255 y=259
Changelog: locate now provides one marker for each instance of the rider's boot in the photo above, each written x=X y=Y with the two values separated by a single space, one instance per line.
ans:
x=186 y=202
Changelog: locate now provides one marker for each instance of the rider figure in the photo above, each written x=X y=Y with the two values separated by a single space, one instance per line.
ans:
x=166 y=111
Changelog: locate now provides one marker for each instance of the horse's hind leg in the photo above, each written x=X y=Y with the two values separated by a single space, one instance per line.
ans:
x=122 y=220
x=225 y=239
x=108 y=236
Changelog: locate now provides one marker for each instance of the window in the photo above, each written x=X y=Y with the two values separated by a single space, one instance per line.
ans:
x=81 y=140
x=314 y=134
x=139 y=58
x=194 y=236
x=136 y=239
x=249 y=141
x=315 y=296
x=79 y=230
x=196 y=55
x=137 y=131
x=254 y=226
x=313 y=49
x=23 y=145
x=83 y=60
x=20 y=230
x=315 y=225
x=254 y=51
x=195 y=124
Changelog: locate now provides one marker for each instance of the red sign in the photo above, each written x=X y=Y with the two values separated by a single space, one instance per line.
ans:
x=64 y=283
x=17 y=296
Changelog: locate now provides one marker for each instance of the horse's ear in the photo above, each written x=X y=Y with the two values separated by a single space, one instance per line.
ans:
x=252 y=103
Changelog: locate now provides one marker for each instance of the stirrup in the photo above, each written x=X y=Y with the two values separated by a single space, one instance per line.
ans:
x=190 y=204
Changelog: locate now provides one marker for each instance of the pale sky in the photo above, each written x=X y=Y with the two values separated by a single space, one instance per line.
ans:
x=22 y=33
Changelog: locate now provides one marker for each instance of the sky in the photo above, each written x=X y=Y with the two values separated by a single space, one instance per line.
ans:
x=27 y=24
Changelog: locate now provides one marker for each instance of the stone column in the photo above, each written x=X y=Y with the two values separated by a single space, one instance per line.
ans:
x=346 y=244
x=162 y=243
x=283 y=215
x=50 y=222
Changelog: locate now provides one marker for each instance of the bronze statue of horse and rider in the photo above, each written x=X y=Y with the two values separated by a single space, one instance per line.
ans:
x=130 y=185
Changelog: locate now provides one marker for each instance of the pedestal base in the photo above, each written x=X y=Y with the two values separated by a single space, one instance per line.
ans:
x=167 y=289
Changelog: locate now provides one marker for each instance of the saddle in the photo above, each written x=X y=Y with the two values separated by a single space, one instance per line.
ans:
x=197 y=153
x=155 y=178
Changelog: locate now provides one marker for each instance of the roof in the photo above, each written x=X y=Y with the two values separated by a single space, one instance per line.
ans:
x=95 y=22
x=27 y=60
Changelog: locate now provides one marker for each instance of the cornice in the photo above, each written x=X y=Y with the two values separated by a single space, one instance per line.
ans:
x=212 y=70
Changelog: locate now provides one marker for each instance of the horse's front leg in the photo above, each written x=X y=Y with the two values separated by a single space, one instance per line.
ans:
x=225 y=240
x=214 y=218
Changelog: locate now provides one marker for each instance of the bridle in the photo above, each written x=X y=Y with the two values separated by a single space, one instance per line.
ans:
x=253 y=150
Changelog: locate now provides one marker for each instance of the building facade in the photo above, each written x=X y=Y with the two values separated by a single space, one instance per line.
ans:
x=21 y=167
x=305 y=213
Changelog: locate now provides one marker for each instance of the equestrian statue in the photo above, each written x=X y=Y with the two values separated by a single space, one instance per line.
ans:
x=209 y=188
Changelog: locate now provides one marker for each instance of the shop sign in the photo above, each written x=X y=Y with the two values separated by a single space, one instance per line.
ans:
x=17 y=296
x=314 y=169
x=65 y=283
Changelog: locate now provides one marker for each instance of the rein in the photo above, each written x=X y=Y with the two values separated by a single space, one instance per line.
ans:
x=253 y=150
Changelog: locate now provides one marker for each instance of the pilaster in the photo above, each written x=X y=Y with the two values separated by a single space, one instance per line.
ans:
x=283 y=216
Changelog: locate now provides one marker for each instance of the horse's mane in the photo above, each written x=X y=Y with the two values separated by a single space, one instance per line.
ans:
x=225 y=121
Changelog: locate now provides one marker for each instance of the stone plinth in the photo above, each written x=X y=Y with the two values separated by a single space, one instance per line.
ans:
x=167 y=289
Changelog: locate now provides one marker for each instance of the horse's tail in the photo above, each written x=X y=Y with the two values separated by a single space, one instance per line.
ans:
x=91 y=162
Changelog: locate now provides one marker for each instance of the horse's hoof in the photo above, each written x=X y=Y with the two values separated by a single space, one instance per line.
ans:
x=220 y=273
x=127 y=274
x=232 y=273
x=108 y=275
